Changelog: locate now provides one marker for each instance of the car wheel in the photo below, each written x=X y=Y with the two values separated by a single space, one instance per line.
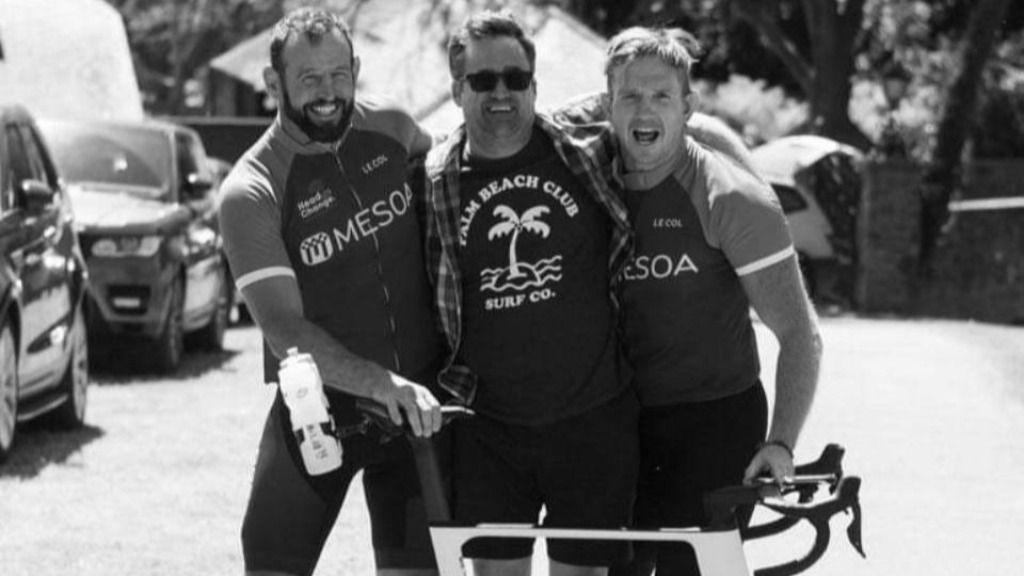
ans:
x=8 y=391
x=75 y=384
x=211 y=336
x=170 y=346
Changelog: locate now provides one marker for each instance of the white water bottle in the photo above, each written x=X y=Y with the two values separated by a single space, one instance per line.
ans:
x=314 y=429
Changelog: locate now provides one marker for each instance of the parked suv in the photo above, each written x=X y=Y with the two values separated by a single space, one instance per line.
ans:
x=145 y=211
x=44 y=364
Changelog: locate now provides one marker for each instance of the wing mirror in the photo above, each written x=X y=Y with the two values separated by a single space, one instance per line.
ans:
x=197 y=185
x=36 y=194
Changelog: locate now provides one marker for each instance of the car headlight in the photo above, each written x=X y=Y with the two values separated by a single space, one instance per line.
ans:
x=142 y=246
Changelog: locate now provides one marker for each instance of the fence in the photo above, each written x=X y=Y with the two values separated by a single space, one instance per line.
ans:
x=978 y=269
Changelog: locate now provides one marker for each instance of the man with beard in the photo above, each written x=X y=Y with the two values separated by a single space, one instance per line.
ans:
x=321 y=233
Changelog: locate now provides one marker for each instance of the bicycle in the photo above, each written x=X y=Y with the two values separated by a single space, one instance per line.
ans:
x=717 y=546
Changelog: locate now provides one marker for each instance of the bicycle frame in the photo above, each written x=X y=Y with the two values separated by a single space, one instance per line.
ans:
x=718 y=547
x=719 y=552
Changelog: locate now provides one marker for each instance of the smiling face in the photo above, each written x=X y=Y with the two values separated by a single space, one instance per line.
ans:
x=317 y=89
x=649 y=110
x=498 y=121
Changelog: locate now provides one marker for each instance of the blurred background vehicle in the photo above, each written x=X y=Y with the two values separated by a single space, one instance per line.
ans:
x=44 y=366
x=239 y=314
x=145 y=210
x=819 y=187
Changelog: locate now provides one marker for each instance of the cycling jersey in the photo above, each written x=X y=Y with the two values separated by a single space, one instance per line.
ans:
x=340 y=219
x=701 y=224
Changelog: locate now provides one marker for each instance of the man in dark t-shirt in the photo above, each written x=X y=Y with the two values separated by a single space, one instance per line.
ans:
x=524 y=239
x=534 y=253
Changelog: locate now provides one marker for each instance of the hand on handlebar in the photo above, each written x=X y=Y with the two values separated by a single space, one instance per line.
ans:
x=773 y=460
x=407 y=401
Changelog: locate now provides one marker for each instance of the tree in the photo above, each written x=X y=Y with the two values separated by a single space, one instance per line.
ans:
x=825 y=74
x=942 y=174
x=170 y=41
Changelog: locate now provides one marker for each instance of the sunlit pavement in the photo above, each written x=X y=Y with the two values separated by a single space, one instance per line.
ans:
x=932 y=417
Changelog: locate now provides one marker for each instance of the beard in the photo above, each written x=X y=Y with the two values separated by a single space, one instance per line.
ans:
x=323 y=133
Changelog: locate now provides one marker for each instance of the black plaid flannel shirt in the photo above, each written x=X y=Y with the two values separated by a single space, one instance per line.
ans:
x=587 y=148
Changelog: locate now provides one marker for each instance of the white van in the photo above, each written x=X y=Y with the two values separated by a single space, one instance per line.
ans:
x=67 y=59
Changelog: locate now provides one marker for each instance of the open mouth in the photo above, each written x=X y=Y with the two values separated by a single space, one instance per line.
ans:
x=646 y=136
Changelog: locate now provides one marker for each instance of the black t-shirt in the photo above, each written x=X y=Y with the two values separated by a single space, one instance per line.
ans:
x=538 y=325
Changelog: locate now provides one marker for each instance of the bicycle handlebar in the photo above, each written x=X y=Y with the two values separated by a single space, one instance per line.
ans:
x=375 y=415
x=825 y=471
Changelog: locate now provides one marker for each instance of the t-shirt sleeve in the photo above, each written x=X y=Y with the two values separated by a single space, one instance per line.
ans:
x=745 y=218
x=250 y=223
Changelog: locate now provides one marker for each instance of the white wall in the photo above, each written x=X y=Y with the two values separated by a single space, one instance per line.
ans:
x=67 y=59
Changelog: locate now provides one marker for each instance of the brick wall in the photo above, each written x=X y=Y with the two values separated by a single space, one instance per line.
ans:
x=978 y=271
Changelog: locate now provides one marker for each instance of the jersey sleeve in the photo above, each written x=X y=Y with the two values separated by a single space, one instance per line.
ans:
x=382 y=115
x=745 y=218
x=250 y=221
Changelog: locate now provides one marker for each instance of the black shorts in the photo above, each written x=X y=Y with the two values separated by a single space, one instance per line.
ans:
x=686 y=450
x=583 y=470
x=290 y=513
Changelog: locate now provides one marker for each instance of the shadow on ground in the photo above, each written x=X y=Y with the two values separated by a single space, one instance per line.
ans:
x=130 y=366
x=40 y=443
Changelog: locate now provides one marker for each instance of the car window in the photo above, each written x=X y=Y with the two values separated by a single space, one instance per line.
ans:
x=191 y=159
x=34 y=156
x=6 y=184
x=789 y=198
x=19 y=169
x=132 y=159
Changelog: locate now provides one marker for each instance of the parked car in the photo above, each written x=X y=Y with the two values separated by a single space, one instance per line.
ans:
x=146 y=215
x=44 y=366
x=818 y=187
x=220 y=169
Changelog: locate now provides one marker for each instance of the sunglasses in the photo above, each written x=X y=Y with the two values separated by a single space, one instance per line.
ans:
x=486 y=80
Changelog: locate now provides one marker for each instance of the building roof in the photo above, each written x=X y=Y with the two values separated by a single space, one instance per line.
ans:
x=401 y=46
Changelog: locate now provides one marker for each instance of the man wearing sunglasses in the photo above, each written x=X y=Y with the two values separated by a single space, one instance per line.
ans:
x=524 y=239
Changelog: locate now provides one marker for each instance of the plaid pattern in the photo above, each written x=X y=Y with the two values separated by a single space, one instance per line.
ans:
x=586 y=149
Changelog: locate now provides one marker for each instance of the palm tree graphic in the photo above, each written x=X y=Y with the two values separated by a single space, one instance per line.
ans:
x=515 y=224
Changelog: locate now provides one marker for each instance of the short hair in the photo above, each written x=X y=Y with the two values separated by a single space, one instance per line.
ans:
x=314 y=23
x=487 y=24
x=673 y=46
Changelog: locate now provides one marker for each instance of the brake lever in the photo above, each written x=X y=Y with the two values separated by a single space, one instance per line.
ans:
x=853 y=531
x=846 y=499
x=376 y=414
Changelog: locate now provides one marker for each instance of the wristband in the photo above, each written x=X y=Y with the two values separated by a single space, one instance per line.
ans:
x=778 y=443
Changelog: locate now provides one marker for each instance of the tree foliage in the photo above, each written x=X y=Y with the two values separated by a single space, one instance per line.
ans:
x=171 y=40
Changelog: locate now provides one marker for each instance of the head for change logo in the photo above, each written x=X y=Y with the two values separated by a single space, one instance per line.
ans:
x=316 y=249
x=319 y=198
